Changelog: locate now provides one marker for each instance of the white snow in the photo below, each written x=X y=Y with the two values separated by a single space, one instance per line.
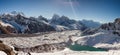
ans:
x=59 y=27
x=80 y=53
x=5 y=24
x=101 y=40
x=14 y=13
x=39 y=40
x=18 y=26
x=70 y=52
x=2 y=53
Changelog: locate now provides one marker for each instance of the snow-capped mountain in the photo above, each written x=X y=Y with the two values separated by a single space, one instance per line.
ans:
x=111 y=27
x=106 y=36
x=65 y=23
x=90 y=23
x=23 y=24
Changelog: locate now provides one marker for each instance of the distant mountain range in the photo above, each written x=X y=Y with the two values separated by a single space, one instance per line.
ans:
x=17 y=22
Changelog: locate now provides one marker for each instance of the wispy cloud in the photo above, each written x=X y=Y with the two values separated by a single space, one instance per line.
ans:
x=67 y=2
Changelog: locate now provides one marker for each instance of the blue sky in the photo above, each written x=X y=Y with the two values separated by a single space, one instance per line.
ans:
x=97 y=10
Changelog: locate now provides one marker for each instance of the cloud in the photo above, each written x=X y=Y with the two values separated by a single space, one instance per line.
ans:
x=69 y=4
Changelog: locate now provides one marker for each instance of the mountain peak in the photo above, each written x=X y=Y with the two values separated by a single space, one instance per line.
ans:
x=117 y=20
x=55 y=16
x=14 y=13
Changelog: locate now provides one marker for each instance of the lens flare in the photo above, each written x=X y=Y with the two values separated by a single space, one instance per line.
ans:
x=73 y=9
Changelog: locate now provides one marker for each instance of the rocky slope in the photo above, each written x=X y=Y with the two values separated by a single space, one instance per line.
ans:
x=106 y=36
x=51 y=42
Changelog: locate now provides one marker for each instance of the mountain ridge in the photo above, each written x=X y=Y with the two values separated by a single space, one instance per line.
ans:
x=107 y=36
x=23 y=24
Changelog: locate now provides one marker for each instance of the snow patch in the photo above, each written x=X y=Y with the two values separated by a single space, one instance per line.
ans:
x=5 y=24
x=2 y=53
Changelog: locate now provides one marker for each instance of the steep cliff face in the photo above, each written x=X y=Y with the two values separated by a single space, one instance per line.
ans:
x=6 y=28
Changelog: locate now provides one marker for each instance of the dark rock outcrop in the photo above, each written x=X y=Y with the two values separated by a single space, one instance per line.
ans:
x=7 y=49
x=42 y=48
